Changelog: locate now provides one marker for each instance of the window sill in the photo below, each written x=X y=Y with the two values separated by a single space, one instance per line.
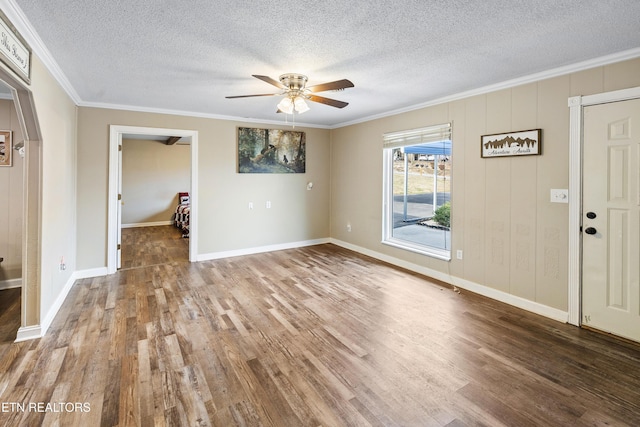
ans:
x=442 y=254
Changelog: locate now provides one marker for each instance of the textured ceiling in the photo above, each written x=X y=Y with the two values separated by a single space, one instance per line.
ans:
x=188 y=55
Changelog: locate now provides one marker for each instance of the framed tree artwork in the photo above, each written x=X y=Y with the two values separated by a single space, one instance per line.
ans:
x=271 y=151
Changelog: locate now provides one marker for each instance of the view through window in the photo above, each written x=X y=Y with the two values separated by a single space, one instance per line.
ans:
x=418 y=190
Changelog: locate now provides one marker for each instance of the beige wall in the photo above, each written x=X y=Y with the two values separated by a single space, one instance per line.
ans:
x=153 y=174
x=56 y=115
x=513 y=239
x=11 y=201
x=226 y=223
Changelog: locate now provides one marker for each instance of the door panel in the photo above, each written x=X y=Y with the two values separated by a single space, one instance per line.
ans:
x=611 y=221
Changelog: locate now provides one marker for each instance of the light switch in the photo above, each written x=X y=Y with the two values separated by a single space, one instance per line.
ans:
x=559 y=195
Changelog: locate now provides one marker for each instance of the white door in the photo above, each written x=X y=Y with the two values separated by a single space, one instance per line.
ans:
x=611 y=219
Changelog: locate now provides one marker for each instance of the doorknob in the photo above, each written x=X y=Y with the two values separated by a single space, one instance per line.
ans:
x=590 y=230
x=591 y=215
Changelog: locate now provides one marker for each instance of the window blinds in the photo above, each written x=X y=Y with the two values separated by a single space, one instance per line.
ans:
x=417 y=136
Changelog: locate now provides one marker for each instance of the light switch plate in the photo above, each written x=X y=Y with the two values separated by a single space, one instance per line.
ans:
x=559 y=195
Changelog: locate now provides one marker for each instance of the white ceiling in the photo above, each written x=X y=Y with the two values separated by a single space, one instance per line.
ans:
x=186 y=56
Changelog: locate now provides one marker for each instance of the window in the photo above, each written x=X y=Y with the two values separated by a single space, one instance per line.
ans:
x=417 y=190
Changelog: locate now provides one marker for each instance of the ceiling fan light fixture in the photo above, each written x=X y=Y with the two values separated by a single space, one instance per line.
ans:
x=286 y=105
x=300 y=105
x=295 y=93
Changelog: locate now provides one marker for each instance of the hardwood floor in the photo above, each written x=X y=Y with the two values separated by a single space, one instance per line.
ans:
x=9 y=318
x=309 y=337
x=146 y=246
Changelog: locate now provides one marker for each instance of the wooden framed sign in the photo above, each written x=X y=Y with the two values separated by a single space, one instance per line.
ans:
x=521 y=143
x=14 y=51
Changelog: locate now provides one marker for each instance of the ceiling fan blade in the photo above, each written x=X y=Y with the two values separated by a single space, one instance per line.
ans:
x=328 y=101
x=337 y=85
x=249 y=96
x=270 y=81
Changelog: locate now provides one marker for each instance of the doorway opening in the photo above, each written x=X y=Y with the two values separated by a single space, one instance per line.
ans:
x=155 y=217
x=117 y=133
x=31 y=182
x=11 y=210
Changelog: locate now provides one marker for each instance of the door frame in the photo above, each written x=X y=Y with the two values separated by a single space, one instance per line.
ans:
x=115 y=168
x=576 y=138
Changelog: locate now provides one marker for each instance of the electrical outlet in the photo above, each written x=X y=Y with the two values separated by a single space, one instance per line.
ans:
x=459 y=254
x=349 y=228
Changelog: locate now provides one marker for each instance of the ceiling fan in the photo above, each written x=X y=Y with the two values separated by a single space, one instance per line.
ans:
x=294 y=88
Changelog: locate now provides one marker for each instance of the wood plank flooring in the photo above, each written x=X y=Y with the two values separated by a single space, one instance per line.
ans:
x=9 y=317
x=317 y=336
x=146 y=246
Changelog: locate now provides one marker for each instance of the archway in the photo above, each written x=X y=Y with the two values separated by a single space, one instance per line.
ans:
x=32 y=182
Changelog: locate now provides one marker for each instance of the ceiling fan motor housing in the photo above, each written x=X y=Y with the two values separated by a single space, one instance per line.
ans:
x=293 y=87
x=293 y=81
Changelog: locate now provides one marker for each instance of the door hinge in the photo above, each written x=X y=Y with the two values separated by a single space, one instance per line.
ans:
x=119 y=246
x=119 y=196
x=119 y=147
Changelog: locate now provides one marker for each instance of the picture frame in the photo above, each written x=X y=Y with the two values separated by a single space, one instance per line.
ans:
x=510 y=144
x=271 y=151
x=6 y=148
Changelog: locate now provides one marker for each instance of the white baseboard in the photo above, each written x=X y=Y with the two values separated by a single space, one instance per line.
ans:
x=10 y=284
x=38 y=331
x=260 y=249
x=532 y=306
x=51 y=314
x=146 y=224
x=92 y=272
x=26 y=333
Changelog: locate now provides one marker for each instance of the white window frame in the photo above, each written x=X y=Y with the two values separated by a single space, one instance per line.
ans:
x=392 y=141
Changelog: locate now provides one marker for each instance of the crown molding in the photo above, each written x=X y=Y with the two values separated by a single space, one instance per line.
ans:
x=531 y=78
x=197 y=114
x=26 y=30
